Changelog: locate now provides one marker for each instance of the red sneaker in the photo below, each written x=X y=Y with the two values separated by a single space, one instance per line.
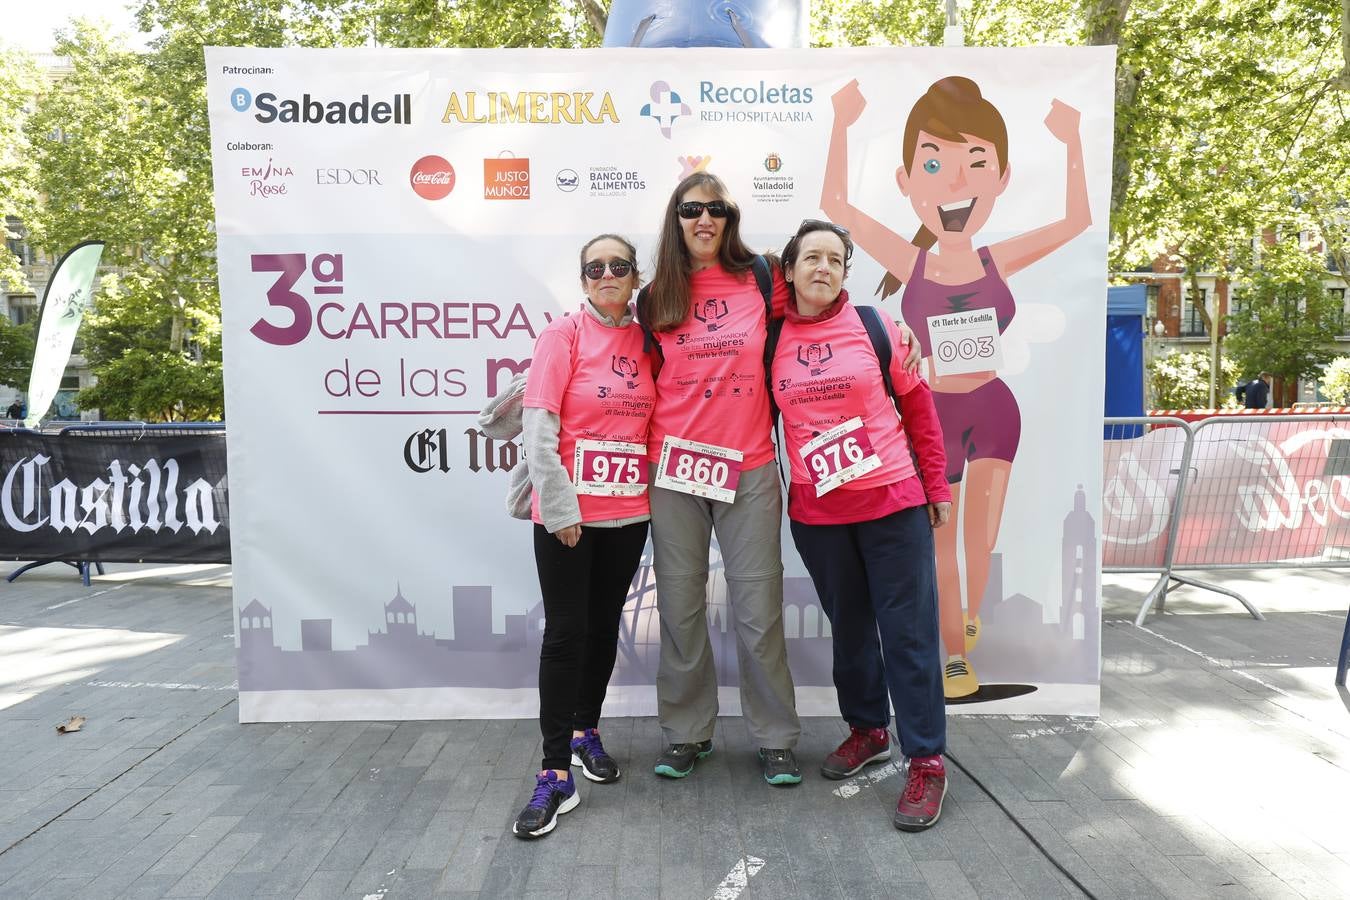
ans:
x=921 y=801
x=861 y=747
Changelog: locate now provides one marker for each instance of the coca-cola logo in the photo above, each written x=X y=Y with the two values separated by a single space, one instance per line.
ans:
x=432 y=178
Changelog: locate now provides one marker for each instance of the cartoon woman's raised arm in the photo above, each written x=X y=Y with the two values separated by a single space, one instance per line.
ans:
x=885 y=246
x=1017 y=253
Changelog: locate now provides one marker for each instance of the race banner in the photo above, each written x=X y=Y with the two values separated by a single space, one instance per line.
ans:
x=68 y=294
x=113 y=499
x=396 y=227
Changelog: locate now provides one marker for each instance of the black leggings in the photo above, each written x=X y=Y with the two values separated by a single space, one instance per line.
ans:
x=584 y=590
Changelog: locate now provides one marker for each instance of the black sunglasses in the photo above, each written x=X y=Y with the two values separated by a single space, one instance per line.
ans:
x=692 y=209
x=595 y=269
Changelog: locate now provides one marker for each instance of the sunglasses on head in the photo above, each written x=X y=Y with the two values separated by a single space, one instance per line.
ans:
x=692 y=209
x=810 y=225
x=595 y=269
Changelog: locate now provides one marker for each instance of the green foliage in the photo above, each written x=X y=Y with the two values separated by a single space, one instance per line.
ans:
x=19 y=82
x=1181 y=380
x=16 y=352
x=1335 y=382
x=143 y=385
x=1287 y=319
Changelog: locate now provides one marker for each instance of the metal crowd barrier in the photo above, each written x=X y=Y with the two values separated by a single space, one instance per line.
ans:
x=137 y=430
x=1228 y=492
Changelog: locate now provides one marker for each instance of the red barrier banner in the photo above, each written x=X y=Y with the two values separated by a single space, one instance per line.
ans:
x=1258 y=491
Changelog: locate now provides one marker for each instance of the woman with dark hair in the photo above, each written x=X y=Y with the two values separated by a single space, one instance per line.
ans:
x=955 y=152
x=863 y=517
x=587 y=405
x=707 y=309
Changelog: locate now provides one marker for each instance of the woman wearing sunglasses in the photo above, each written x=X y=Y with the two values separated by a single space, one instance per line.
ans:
x=862 y=517
x=707 y=309
x=588 y=401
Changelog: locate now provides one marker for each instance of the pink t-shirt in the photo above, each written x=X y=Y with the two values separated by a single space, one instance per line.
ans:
x=598 y=382
x=825 y=372
x=711 y=388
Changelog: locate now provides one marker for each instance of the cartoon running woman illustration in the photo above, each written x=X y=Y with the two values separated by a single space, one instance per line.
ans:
x=955 y=166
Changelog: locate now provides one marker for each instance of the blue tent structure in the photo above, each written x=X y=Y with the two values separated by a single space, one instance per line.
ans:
x=1125 y=326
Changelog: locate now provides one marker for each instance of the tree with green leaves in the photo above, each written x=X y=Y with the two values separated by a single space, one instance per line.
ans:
x=1335 y=381
x=19 y=82
x=1286 y=320
x=16 y=352
x=1180 y=380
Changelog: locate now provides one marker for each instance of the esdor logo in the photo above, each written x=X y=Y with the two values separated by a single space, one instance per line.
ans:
x=432 y=178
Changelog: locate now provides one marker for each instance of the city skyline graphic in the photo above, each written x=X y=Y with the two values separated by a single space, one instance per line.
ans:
x=1017 y=641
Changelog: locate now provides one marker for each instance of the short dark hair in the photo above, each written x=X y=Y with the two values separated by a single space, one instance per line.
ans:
x=808 y=226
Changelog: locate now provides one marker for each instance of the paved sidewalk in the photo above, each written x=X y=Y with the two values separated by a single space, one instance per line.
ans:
x=1220 y=768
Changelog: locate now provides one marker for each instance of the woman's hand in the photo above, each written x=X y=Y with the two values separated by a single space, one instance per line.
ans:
x=939 y=513
x=848 y=104
x=1063 y=121
x=569 y=535
x=911 y=363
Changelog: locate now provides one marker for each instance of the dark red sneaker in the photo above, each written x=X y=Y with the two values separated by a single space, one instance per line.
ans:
x=861 y=747
x=921 y=801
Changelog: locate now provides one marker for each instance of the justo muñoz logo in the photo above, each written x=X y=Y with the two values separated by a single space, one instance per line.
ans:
x=432 y=178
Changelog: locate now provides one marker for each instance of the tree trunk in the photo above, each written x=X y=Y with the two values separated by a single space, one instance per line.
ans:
x=176 y=332
x=1105 y=21
x=1342 y=80
x=596 y=15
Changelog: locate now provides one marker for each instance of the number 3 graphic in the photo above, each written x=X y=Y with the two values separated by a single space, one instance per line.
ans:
x=291 y=266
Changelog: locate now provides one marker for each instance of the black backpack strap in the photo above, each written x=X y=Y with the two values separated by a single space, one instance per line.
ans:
x=881 y=344
x=764 y=278
x=650 y=345
x=772 y=333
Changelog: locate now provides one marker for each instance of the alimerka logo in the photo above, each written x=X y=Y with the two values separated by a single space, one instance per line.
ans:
x=529 y=108
x=397 y=110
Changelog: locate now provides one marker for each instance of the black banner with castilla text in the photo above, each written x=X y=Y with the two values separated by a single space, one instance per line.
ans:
x=156 y=498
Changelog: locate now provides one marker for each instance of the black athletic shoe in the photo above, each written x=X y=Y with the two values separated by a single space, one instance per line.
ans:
x=589 y=753
x=678 y=759
x=779 y=766
x=552 y=797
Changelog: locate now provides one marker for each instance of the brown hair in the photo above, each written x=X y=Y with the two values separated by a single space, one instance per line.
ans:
x=618 y=238
x=667 y=303
x=951 y=109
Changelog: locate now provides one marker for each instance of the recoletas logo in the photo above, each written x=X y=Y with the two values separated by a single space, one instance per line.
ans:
x=267 y=108
x=665 y=107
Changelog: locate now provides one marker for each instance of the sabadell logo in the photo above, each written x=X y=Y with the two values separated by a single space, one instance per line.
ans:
x=432 y=178
x=397 y=110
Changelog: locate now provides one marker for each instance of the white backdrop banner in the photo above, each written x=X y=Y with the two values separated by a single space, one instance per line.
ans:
x=397 y=226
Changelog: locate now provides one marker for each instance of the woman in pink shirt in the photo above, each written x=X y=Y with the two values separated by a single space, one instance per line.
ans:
x=862 y=517
x=588 y=402
x=707 y=311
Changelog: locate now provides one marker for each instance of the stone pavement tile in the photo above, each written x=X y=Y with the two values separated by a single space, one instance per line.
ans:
x=511 y=881
x=946 y=879
x=468 y=783
x=274 y=838
x=65 y=886
x=184 y=812
x=325 y=884
x=1211 y=878
x=413 y=884
x=243 y=886
x=148 y=887
x=1126 y=881
x=1298 y=875
x=132 y=865
x=304 y=858
x=472 y=857
x=589 y=881
x=193 y=846
x=424 y=750
x=385 y=860
x=203 y=877
x=1160 y=832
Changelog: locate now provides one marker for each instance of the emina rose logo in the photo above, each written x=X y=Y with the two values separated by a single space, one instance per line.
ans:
x=432 y=178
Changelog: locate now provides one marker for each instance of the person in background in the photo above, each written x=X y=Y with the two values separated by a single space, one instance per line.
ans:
x=1255 y=394
x=15 y=410
x=588 y=402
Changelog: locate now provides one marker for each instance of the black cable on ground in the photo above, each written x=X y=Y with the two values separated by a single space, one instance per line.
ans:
x=1022 y=828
